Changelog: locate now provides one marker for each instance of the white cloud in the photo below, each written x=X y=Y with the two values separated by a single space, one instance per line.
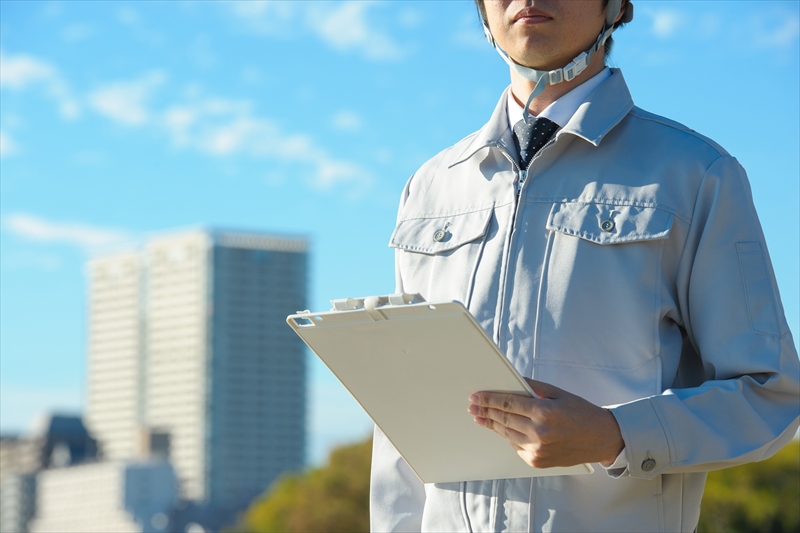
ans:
x=331 y=172
x=667 y=22
x=346 y=120
x=223 y=128
x=129 y=16
x=709 y=25
x=214 y=126
x=202 y=52
x=252 y=75
x=20 y=72
x=35 y=228
x=125 y=102
x=52 y=9
x=76 y=32
x=777 y=33
x=7 y=145
x=410 y=19
x=344 y=26
x=269 y=17
x=383 y=156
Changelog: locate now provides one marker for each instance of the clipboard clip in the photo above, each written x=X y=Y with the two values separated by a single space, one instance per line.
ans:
x=371 y=304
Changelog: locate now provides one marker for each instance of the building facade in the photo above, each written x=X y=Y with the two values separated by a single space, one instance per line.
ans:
x=56 y=441
x=115 y=354
x=105 y=497
x=17 y=502
x=190 y=353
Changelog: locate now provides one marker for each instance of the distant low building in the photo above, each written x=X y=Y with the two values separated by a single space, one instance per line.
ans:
x=17 y=502
x=56 y=441
x=105 y=497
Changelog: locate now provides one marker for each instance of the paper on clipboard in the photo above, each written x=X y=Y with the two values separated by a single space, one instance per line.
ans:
x=412 y=366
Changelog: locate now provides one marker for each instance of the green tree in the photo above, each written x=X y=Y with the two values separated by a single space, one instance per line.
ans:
x=752 y=498
x=756 y=497
x=332 y=498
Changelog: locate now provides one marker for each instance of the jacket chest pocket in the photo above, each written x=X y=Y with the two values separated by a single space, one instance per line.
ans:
x=438 y=254
x=602 y=285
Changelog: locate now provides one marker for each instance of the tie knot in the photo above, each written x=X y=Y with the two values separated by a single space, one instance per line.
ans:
x=531 y=136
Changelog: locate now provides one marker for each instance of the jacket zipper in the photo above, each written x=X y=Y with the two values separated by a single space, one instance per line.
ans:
x=522 y=178
x=501 y=298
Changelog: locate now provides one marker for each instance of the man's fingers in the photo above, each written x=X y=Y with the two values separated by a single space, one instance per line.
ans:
x=505 y=418
x=503 y=401
x=513 y=436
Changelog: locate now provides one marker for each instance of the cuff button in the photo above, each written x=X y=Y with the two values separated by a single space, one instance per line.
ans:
x=648 y=465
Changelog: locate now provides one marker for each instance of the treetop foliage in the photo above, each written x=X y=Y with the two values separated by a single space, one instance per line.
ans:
x=752 y=498
x=328 y=499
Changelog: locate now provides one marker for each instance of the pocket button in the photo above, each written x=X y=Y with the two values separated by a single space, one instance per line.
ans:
x=607 y=225
x=439 y=235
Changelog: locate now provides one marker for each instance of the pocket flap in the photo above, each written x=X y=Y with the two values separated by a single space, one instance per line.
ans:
x=610 y=224
x=436 y=234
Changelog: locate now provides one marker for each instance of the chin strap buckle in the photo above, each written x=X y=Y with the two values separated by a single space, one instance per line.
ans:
x=576 y=66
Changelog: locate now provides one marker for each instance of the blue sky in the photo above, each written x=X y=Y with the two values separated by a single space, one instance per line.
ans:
x=119 y=119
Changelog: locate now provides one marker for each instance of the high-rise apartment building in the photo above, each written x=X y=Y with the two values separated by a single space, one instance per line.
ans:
x=115 y=343
x=189 y=353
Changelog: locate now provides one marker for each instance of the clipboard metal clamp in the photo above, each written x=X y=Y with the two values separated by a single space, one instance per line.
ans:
x=371 y=304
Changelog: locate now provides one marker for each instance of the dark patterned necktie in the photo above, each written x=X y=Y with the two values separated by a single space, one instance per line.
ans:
x=530 y=137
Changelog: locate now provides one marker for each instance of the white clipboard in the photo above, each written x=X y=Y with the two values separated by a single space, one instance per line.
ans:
x=412 y=366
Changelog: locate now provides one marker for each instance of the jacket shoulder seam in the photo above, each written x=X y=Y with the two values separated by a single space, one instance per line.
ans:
x=641 y=114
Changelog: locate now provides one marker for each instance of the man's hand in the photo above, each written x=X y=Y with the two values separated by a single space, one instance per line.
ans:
x=555 y=429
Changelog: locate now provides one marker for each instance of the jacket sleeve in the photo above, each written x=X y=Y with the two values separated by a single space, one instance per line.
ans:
x=396 y=495
x=747 y=403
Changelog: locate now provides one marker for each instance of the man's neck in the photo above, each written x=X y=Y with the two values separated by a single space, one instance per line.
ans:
x=521 y=88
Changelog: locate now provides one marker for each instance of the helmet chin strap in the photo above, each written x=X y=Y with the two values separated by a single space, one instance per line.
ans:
x=574 y=68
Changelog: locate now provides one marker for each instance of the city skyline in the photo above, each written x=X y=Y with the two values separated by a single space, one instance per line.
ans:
x=195 y=395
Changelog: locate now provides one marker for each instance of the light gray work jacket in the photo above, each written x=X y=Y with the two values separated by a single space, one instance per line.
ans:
x=627 y=266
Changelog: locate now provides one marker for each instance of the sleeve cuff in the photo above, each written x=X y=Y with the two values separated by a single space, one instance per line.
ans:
x=619 y=467
x=646 y=441
x=620 y=462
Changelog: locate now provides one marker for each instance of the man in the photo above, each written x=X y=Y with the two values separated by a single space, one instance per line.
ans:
x=616 y=259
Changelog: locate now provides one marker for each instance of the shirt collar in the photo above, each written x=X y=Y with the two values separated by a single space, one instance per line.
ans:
x=562 y=109
x=597 y=114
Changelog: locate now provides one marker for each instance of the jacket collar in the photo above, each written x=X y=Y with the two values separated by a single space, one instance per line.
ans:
x=602 y=110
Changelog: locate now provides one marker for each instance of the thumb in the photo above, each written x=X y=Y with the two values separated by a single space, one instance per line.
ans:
x=544 y=390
